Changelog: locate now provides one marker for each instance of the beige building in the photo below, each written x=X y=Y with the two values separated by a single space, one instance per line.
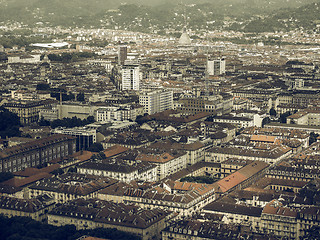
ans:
x=27 y=111
x=167 y=162
x=181 y=197
x=279 y=220
x=70 y=186
x=37 y=152
x=94 y=213
x=35 y=208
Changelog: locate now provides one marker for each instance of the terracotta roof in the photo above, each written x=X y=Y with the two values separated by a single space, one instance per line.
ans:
x=115 y=150
x=263 y=138
x=159 y=158
x=14 y=182
x=276 y=208
x=231 y=181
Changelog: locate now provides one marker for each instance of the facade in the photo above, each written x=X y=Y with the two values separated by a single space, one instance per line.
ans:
x=94 y=213
x=35 y=208
x=216 y=67
x=156 y=101
x=201 y=230
x=70 y=186
x=183 y=198
x=33 y=59
x=37 y=152
x=130 y=77
x=122 y=54
x=236 y=213
x=271 y=154
x=239 y=122
x=119 y=113
x=27 y=111
x=85 y=136
x=279 y=220
x=141 y=171
x=211 y=104
x=167 y=162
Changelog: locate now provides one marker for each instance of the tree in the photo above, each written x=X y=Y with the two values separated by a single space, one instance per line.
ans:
x=273 y=112
x=9 y=124
x=283 y=117
x=4 y=176
x=80 y=97
x=43 y=86
x=313 y=137
x=43 y=122
x=95 y=147
x=265 y=121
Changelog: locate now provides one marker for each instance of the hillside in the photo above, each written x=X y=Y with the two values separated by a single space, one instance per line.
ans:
x=159 y=15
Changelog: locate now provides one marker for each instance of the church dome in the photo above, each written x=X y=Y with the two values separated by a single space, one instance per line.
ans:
x=184 y=39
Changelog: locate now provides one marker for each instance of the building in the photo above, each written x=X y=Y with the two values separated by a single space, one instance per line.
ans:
x=216 y=67
x=235 y=213
x=37 y=152
x=156 y=101
x=70 y=186
x=119 y=113
x=120 y=170
x=168 y=162
x=35 y=208
x=85 y=136
x=122 y=54
x=279 y=220
x=94 y=213
x=184 y=198
x=130 y=77
x=27 y=111
x=217 y=104
x=201 y=230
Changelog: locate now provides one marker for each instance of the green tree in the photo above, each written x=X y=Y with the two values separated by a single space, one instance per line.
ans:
x=313 y=137
x=43 y=86
x=4 y=176
x=272 y=112
x=95 y=147
x=9 y=123
x=80 y=97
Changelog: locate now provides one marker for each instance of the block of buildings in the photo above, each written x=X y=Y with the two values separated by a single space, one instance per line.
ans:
x=37 y=152
x=156 y=101
x=28 y=111
x=35 y=208
x=94 y=213
x=130 y=77
x=70 y=186
x=84 y=136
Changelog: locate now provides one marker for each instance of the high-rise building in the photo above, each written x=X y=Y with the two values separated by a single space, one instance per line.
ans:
x=216 y=67
x=156 y=101
x=130 y=77
x=122 y=54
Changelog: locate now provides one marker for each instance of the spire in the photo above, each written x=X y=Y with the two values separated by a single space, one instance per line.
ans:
x=184 y=38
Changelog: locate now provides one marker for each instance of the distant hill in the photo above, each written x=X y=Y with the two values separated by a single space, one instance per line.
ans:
x=144 y=15
x=306 y=17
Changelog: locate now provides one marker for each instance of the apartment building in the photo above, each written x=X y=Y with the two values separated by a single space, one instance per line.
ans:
x=156 y=101
x=36 y=152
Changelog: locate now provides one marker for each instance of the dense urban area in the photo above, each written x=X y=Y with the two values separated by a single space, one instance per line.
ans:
x=137 y=127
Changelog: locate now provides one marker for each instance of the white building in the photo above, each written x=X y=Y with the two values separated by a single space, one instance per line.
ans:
x=85 y=136
x=156 y=101
x=216 y=67
x=112 y=113
x=130 y=77
x=16 y=58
